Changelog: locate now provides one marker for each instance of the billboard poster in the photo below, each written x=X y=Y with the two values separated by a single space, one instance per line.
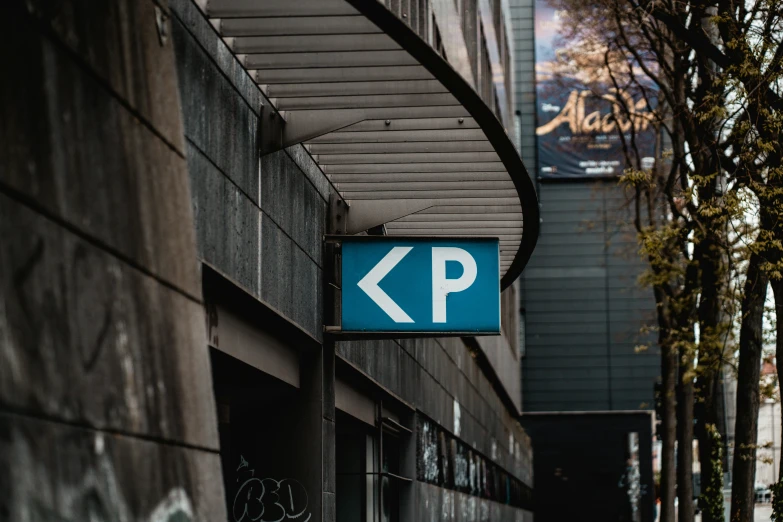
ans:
x=580 y=117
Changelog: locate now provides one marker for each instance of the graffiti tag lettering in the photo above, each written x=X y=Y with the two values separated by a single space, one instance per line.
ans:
x=269 y=500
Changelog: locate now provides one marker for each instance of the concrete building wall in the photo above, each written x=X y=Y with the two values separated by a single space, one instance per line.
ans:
x=259 y=220
x=259 y=223
x=102 y=338
x=443 y=380
x=135 y=209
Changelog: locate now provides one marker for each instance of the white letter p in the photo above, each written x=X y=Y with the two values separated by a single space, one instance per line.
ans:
x=442 y=287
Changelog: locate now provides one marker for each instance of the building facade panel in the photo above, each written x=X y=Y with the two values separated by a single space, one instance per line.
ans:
x=226 y=129
x=99 y=476
x=149 y=213
x=228 y=222
x=582 y=298
x=101 y=322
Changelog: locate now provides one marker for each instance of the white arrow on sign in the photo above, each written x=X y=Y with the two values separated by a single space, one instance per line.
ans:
x=369 y=284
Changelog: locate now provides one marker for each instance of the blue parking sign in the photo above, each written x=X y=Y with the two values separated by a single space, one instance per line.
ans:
x=437 y=285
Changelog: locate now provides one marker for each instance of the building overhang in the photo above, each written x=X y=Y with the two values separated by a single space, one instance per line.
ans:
x=395 y=128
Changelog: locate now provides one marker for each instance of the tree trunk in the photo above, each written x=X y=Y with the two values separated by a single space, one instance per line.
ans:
x=711 y=423
x=746 y=431
x=709 y=419
x=685 y=398
x=668 y=427
x=711 y=500
x=777 y=290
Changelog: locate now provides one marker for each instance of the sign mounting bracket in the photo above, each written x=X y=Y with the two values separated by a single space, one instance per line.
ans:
x=366 y=214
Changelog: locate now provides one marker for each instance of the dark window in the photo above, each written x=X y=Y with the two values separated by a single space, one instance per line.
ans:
x=267 y=474
x=351 y=468
x=370 y=478
x=390 y=468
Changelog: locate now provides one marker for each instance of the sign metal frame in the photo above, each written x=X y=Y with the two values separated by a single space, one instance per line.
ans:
x=333 y=248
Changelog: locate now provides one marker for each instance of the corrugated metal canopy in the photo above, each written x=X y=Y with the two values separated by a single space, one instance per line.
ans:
x=385 y=117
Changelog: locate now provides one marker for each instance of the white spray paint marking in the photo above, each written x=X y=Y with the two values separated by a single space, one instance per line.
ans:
x=268 y=500
x=457 y=418
x=175 y=503
x=99 y=443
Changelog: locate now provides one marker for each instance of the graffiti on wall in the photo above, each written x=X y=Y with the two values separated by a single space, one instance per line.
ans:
x=84 y=483
x=445 y=461
x=631 y=478
x=267 y=499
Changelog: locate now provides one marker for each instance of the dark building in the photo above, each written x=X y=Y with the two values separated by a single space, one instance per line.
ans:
x=168 y=171
x=595 y=460
x=584 y=310
x=583 y=318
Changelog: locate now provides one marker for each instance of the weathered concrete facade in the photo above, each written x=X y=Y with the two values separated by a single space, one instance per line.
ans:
x=101 y=321
x=135 y=209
